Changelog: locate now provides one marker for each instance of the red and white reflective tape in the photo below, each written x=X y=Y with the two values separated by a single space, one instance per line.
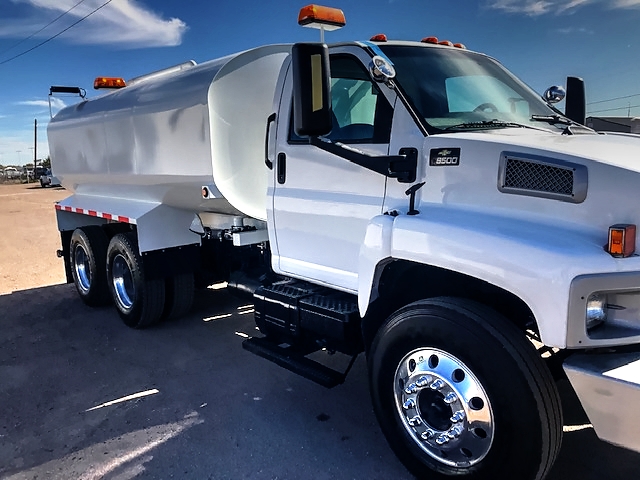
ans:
x=94 y=213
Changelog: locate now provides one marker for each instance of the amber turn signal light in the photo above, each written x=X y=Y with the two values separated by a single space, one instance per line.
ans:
x=622 y=240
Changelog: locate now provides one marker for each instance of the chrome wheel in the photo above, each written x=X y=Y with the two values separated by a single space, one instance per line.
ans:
x=82 y=269
x=123 y=285
x=443 y=407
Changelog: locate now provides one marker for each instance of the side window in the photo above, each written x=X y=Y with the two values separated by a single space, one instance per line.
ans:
x=361 y=113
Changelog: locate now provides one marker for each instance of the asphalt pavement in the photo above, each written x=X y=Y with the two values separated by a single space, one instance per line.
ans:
x=82 y=396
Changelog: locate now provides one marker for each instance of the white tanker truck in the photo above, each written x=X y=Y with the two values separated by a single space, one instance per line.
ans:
x=410 y=200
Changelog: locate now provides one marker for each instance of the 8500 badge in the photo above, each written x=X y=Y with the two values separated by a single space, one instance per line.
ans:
x=444 y=157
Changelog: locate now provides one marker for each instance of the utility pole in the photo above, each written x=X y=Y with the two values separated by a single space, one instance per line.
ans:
x=20 y=162
x=35 y=147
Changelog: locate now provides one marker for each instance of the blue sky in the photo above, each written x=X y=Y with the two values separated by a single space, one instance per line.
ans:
x=541 y=41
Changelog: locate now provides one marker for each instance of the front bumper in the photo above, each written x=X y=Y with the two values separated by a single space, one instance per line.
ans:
x=608 y=386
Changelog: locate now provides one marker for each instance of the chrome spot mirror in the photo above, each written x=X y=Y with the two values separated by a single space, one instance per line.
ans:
x=554 y=94
x=381 y=69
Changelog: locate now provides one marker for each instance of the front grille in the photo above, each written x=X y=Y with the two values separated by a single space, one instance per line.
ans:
x=538 y=176
x=544 y=177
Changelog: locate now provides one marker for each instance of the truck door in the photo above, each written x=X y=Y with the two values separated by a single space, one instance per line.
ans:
x=321 y=202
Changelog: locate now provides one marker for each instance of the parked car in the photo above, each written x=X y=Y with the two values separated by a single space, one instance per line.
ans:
x=11 y=173
x=49 y=179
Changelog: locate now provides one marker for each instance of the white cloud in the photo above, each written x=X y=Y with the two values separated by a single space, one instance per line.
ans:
x=534 y=8
x=573 y=30
x=125 y=23
x=56 y=103
x=626 y=3
x=528 y=7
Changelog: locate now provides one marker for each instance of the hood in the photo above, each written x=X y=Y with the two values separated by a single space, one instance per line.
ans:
x=621 y=151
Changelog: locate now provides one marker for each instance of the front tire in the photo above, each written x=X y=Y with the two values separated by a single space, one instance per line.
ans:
x=87 y=258
x=459 y=391
x=139 y=301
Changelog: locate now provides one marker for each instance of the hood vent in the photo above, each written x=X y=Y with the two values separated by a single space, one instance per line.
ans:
x=543 y=177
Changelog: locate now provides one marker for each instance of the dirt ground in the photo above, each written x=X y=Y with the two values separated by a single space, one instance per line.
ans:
x=82 y=396
x=29 y=238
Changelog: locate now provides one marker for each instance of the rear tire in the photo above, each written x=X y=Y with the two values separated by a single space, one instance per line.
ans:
x=139 y=301
x=179 y=295
x=459 y=391
x=87 y=258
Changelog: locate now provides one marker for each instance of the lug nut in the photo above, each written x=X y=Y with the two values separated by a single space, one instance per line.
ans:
x=427 y=434
x=437 y=385
x=411 y=388
x=455 y=431
x=411 y=403
x=458 y=416
x=450 y=398
x=442 y=439
x=423 y=381
x=415 y=421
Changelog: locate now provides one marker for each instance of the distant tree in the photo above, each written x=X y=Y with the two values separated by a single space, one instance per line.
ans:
x=46 y=163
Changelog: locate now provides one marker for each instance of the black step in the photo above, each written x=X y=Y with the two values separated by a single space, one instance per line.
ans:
x=296 y=362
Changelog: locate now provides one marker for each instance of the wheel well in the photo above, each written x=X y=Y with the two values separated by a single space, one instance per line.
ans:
x=402 y=282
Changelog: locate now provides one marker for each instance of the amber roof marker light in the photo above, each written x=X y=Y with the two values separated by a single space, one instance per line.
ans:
x=379 y=37
x=108 y=82
x=322 y=18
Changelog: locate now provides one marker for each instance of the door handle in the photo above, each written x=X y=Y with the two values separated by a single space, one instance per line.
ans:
x=282 y=168
x=267 y=162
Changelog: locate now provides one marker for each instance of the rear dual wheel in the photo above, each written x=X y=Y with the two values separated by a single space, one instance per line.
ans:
x=87 y=258
x=460 y=392
x=179 y=295
x=139 y=301
x=104 y=270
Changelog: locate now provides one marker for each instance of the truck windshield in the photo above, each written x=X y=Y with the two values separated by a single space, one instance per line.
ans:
x=456 y=90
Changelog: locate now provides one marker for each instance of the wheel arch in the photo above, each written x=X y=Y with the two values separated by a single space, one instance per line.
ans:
x=398 y=283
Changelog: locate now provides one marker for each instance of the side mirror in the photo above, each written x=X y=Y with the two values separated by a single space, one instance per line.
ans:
x=576 y=103
x=554 y=94
x=312 y=113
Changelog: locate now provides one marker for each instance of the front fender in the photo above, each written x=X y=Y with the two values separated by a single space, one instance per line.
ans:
x=532 y=260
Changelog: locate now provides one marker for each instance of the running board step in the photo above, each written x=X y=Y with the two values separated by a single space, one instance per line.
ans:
x=296 y=362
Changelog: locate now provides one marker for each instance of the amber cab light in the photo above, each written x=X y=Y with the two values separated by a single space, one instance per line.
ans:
x=622 y=240
x=108 y=82
x=460 y=45
x=380 y=37
x=429 y=40
x=317 y=16
x=445 y=42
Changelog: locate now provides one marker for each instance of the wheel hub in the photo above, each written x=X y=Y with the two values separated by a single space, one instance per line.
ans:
x=81 y=261
x=444 y=407
x=433 y=409
x=123 y=282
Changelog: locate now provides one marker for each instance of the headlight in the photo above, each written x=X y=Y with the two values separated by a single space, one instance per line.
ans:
x=596 y=309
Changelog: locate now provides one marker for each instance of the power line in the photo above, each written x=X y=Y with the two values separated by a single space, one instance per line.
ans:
x=47 y=25
x=616 y=98
x=628 y=107
x=57 y=34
